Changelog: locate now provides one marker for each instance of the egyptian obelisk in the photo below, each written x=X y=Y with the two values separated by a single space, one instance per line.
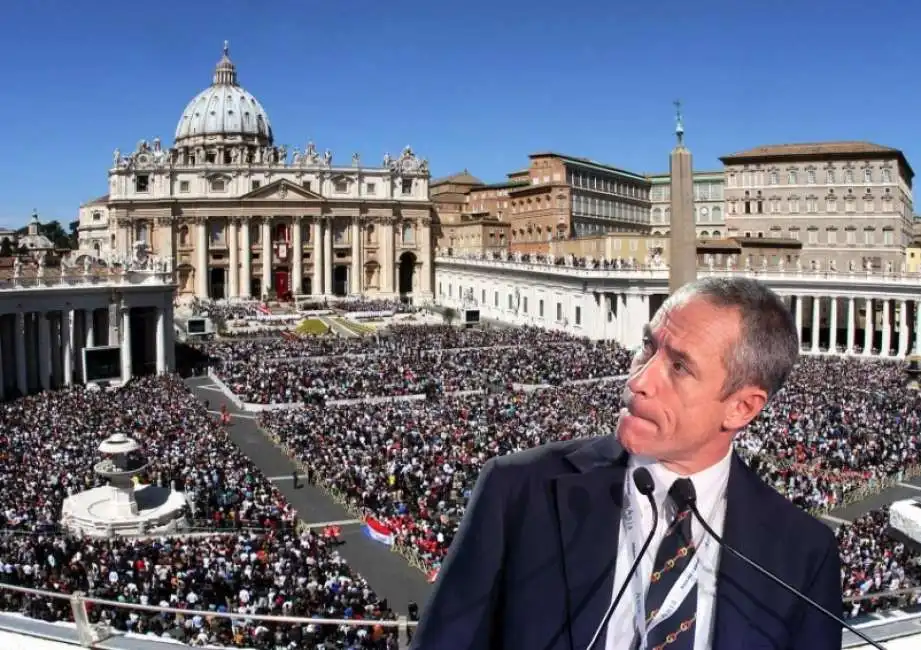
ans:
x=682 y=263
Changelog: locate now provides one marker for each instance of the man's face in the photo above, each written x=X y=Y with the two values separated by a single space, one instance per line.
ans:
x=674 y=407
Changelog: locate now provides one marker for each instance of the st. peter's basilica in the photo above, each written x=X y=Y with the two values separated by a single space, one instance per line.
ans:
x=238 y=216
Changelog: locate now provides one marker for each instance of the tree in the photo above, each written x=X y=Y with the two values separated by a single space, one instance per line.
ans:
x=73 y=226
x=449 y=314
x=6 y=248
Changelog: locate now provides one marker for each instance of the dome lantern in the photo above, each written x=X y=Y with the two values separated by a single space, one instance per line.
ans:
x=225 y=74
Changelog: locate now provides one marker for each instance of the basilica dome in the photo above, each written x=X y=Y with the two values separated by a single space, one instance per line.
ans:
x=224 y=109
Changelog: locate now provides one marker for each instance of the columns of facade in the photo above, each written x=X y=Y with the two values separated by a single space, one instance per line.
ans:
x=125 y=344
x=246 y=267
x=22 y=377
x=918 y=327
x=903 y=329
x=328 y=257
x=55 y=336
x=44 y=351
x=161 y=341
x=297 y=265
x=201 y=258
x=319 y=263
x=67 y=336
x=170 y=333
x=90 y=327
x=233 y=275
x=387 y=264
x=355 y=274
x=816 y=322
x=799 y=320
x=868 y=328
x=885 y=349
x=425 y=237
x=266 y=236
x=833 y=329
x=851 y=324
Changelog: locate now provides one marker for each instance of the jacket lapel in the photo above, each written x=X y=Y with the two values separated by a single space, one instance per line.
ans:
x=738 y=614
x=588 y=506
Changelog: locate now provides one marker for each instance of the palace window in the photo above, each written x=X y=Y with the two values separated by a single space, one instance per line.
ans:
x=142 y=183
x=887 y=176
x=559 y=311
x=830 y=177
x=408 y=234
x=141 y=233
x=888 y=237
x=810 y=177
x=407 y=187
x=578 y=315
x=370 y=189
x=851 y=236
x=217 y=185
x=867 y=175
x=540 y=308
x=791 y=178
x=183 y=186
x=868 y=237
x=341 y=186
x=256 y=185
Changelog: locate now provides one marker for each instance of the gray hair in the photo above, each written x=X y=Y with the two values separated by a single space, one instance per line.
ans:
x=768 y=345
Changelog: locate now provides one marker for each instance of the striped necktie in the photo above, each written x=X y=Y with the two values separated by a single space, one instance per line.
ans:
x=675 y=553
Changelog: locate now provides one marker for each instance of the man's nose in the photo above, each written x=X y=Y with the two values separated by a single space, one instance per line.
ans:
x=645 y=375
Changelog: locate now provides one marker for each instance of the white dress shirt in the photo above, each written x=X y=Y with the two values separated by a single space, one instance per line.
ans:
x=710 y=485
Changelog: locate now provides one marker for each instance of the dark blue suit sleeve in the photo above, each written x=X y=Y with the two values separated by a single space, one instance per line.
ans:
x=460 y=613
x=816 y=631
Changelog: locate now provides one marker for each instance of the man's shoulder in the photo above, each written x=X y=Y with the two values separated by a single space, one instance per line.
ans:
x=549 y=458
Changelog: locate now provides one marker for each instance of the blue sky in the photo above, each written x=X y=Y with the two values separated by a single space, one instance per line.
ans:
x=467 y=84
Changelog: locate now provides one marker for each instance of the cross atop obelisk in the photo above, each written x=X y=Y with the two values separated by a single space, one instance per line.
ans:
x=679 y=125
x=682 y=256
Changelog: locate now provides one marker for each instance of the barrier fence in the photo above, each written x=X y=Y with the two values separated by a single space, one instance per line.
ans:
x=90 y=634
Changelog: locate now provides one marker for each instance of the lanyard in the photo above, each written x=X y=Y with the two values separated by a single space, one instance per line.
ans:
x=681 y=588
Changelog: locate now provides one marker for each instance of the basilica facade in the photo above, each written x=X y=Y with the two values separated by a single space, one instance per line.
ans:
x=237 y=215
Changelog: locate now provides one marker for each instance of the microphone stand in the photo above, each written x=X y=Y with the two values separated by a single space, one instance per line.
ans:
x=629 y=579
x=781 y=583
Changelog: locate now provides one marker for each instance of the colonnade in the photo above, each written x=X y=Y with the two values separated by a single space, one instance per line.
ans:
x=41 y=350
x=896 y=320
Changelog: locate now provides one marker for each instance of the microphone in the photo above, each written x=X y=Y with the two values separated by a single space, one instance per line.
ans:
x=642 y=479
x=684 y=495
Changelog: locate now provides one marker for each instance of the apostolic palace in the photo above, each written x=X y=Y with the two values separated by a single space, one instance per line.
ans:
x=241 y=216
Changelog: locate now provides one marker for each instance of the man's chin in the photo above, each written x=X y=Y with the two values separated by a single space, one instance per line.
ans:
x=633 y=433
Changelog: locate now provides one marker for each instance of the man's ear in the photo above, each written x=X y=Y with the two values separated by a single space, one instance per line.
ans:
x=743 y=406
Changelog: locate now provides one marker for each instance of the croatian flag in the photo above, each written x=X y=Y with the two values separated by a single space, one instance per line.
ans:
x=378 y=531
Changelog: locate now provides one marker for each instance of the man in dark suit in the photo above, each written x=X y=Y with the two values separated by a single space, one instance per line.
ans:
x=545 y=544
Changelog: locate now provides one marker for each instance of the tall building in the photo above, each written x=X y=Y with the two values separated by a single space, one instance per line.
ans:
x=709 y=209
x=241 y=216
x=849 y=203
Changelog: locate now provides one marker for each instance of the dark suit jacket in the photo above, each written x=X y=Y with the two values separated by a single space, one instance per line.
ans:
x=532 y=565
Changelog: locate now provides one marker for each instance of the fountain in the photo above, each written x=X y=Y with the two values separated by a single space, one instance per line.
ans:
x=123 y=507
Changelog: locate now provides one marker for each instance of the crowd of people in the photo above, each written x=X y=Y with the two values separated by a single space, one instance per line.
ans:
x=409 y=361
x=836 y=426
x=253 y=559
